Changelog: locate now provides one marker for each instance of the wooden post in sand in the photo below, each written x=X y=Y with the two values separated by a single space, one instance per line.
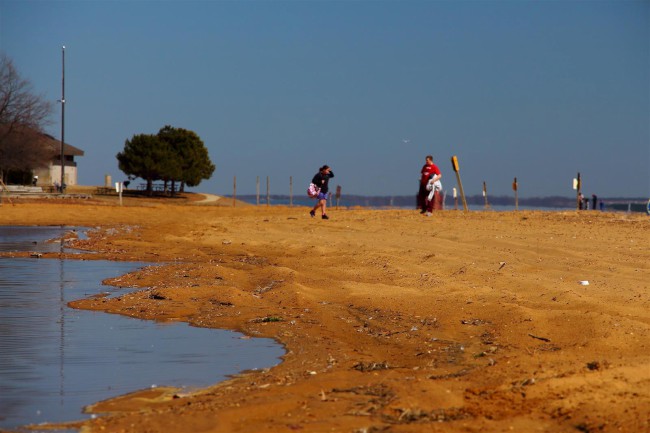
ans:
x=487 y=205
x=454 y=164
x=515 y=186
x=234 y=191
x=338 y=196
x=577 y=185
x=290 y=191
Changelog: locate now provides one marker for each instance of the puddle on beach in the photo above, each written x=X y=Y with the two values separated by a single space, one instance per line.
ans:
x=54 y=360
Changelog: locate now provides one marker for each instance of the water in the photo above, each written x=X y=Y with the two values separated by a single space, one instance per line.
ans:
x=54 y=360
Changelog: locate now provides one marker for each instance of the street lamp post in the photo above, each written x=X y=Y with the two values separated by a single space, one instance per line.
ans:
x=62 y=117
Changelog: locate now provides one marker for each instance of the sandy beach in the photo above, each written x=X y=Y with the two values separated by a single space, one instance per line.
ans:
x=392 y=321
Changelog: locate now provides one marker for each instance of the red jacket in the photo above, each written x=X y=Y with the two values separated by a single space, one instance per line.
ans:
x=427 y=171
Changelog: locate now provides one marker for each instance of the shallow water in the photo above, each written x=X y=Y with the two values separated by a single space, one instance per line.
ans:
x=54 y=360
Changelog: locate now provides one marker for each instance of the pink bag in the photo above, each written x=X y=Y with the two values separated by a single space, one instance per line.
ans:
x=313 y=190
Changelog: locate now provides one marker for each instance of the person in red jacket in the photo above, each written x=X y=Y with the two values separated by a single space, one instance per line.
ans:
x=428 y=171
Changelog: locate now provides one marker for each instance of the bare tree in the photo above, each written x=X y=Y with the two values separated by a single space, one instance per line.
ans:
x=23 y=114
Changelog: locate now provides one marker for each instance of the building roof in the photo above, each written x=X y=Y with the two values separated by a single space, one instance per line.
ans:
x=68 y=149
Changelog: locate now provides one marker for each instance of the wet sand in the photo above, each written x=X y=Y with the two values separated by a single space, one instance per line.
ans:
x=392 y=322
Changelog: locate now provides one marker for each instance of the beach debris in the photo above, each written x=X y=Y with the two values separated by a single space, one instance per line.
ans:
x=539 y=338
x=268 y=287
x=413 y=415
x=157 y=296
x=267 y=319
x=525 y=382
x=594 y=365
x=491 y=350
x=583 y=283
x=36 y=255
x=373 y=429
x=501 y=265
x=221 y=303
x=371 y=366
x=226 y=242
x=462 y=270
x=380 y=397
x=474 y=322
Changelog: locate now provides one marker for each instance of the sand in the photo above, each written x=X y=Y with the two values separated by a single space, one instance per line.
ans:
x=392 y=321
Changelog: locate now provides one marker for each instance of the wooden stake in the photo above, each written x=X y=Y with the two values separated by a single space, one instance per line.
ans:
x=234 y=191
x=454 y=164
x=338 y=196
x=487 y=205
x=578 y=192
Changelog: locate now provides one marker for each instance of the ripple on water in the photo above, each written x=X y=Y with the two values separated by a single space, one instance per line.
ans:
x=54 y=360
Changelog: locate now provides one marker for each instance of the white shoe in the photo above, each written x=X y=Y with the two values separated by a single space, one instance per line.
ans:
x=428 y=214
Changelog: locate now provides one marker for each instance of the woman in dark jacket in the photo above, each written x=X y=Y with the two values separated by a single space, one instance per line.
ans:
x=321 y=180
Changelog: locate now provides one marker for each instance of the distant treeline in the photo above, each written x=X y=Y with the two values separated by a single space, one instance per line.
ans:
x=405 y=201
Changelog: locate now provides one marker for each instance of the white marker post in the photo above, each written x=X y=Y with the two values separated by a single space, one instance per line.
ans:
x=455 y=199
x=119 y=186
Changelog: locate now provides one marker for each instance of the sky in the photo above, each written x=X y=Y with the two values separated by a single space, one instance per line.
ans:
x=537 y=90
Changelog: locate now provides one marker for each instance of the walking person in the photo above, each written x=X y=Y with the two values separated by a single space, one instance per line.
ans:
x=429 y=171
x=321 y=180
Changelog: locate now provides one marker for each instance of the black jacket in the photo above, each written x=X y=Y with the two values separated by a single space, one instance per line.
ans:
x=321 y=180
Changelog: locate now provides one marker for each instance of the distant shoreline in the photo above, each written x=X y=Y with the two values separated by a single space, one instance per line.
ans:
x=476 y=202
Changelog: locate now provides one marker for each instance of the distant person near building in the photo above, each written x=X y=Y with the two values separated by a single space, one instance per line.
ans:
x=594 y=201
x=321 y=180
x=429 y=171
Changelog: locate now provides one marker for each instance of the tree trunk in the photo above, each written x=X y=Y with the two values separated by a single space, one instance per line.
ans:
x=149 y=187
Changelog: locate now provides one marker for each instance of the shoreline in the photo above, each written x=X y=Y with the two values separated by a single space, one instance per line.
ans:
x=391 y=321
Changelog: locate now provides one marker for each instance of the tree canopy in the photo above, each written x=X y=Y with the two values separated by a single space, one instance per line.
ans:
x=23 y=115
x=173 y=155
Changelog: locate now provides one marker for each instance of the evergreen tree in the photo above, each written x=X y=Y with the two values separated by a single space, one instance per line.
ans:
x=147 y=157
x=193 y=162
x=173 y=155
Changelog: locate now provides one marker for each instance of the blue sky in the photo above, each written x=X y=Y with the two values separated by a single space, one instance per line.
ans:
x=537 y=90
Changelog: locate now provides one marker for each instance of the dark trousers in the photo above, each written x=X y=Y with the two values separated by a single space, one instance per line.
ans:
x=436 y=203
x=422 y=198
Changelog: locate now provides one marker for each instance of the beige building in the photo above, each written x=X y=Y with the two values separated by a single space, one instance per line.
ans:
x=52 y=174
